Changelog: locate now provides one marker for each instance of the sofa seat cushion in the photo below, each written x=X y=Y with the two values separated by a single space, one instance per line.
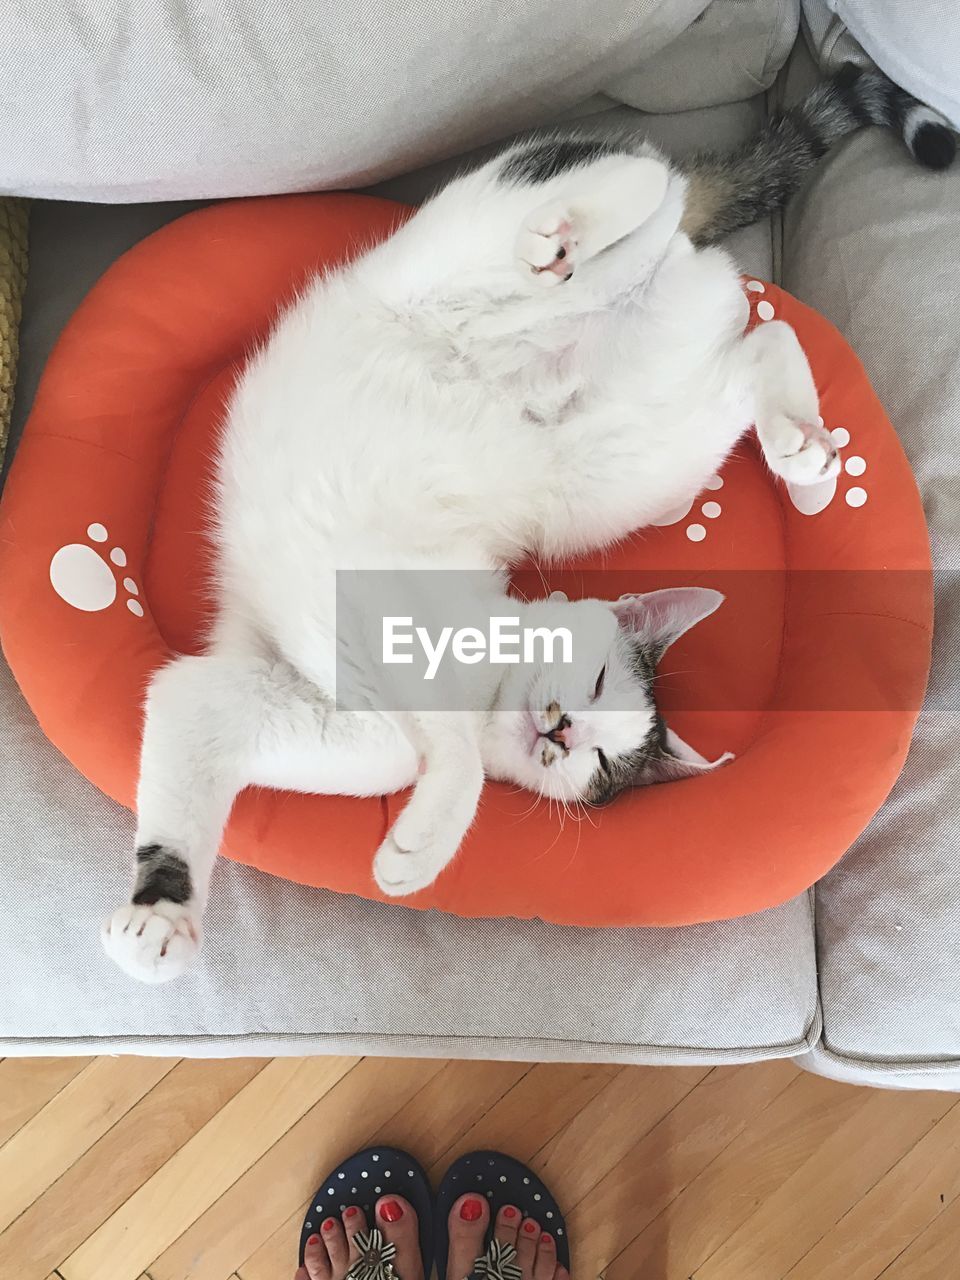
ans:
x=297 y=970
x=291 y=970
x=820 y=647
x=872 y=244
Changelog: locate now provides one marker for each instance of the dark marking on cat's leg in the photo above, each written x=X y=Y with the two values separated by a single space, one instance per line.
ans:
x=162 y=876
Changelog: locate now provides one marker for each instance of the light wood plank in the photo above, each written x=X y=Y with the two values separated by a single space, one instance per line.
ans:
x=202 y=1170
x=124 y=1158
x=609 y=1127
x=346 y=1118
x=27 y=1084
x=71 y=1122
x=933 y=1255
x=448 y=1105
x=444 y=1108
x=804 y=1207
x=669 y=1157
x=528 y=1116
x=774 y=1143
x=893 y=1213
x=772 y=1173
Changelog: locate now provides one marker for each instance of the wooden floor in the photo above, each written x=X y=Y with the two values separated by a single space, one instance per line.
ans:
x=127 y=1168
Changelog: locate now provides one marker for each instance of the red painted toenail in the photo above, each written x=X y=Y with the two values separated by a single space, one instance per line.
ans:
x=510 y=1213
x=529 y=1227
x=329 y=1224
x=313 y=1240
x=351 y=1212
x=471 y=1210
x=546 y=1239
x=391 y=1211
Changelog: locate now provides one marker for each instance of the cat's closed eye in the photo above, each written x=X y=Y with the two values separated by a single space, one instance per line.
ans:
x=598 y=687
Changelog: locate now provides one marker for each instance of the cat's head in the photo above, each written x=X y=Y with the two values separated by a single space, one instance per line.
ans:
x=589 y=729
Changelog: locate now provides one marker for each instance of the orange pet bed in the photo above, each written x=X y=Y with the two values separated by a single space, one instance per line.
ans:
x=812 y=671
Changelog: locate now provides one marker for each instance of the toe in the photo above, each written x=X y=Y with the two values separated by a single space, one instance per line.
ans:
x=527 y=1241
x=354 y=1220
x=335 y=1240
x=467 y=1224
x=508 y=1224
x=397 y=1219
x=316 y=1260
x=545 y=1266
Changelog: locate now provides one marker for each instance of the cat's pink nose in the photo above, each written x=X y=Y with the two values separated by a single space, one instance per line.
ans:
x=562 y=732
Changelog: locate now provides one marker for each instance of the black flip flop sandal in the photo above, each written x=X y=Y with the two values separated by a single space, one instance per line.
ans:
x=500 y=1180
x=361 y=1181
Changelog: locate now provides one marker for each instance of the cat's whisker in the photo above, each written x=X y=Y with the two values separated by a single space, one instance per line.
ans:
x=577 y=806
x=679 y=671
x=534 y=803
x=585 y=814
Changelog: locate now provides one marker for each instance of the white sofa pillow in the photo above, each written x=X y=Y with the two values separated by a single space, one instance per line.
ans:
x=917 y=44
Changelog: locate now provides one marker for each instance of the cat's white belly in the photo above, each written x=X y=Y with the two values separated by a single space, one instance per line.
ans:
x=373 y=765
x=331 y=463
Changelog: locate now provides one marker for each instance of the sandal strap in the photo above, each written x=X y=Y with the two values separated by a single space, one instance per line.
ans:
x=498 y=1263
x=376 y=1257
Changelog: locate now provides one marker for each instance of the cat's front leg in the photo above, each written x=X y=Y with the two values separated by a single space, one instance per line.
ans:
x=431 y=828
x=153 y=942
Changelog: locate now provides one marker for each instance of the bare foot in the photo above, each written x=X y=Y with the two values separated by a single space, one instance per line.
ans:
x=333 y=1250
x=536 y=1249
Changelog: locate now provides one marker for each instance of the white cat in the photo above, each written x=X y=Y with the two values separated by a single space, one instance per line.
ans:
x=538 y=361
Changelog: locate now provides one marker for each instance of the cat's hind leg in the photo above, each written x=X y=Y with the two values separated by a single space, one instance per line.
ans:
x=596 y=206
x=786 y=406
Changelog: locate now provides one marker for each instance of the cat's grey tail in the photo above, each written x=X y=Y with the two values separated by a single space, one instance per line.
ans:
x=734 y=190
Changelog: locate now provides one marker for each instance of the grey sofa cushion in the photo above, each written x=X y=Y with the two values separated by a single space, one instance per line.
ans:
x=732 y=52
x=872 y=244
x=161 y=99
x=292 y=970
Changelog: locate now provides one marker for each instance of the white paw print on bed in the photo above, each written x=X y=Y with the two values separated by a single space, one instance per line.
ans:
x=811 y=499
x=81 y=576
x=710 y=510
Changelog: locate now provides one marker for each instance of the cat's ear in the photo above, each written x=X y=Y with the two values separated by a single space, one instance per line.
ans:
x=660 y=617
x=679 y=760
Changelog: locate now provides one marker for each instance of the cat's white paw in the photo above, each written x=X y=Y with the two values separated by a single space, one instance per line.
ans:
x=153 y=943
x=399 y=871
x=546 y=247
x=800 y=452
